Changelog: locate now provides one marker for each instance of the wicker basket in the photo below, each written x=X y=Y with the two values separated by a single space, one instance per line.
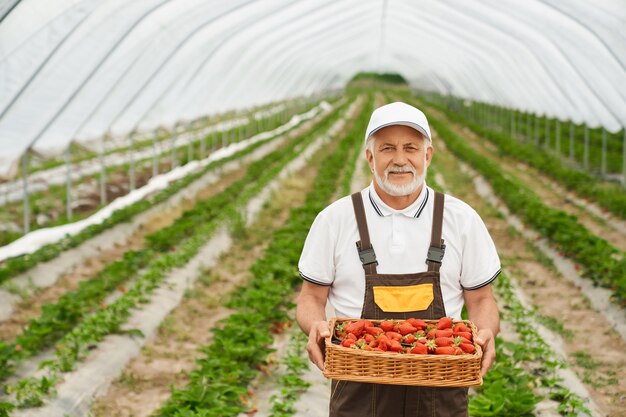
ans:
x=402 y=369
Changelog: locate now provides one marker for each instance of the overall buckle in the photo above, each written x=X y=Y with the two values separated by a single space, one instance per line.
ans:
x=367 y=256
x=435 y=254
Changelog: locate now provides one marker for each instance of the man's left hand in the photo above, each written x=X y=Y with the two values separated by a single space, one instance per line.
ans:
x=487 y=341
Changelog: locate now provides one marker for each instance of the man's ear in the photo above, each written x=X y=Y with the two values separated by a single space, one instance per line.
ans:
x=429 y=155
x=370 y=159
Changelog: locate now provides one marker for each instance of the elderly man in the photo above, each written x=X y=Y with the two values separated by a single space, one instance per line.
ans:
x=424 y=253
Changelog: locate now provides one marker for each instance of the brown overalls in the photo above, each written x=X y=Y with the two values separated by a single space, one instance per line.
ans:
x=351 y=399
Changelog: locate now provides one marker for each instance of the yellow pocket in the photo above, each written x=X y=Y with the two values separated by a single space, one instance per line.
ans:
x=403 y=299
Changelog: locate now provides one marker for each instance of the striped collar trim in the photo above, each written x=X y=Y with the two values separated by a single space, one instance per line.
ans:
x=384 y=210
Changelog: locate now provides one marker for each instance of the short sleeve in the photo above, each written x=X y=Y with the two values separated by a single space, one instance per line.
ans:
x=480 y=264
x=316 y=263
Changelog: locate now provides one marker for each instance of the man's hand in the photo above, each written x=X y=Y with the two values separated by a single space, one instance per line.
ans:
x=487 y=341
x=483 y=311
x=315 y=346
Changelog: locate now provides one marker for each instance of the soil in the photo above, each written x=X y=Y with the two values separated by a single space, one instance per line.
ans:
x=30 y=307
x=168 y=359
x=596 y=353
x=552 y=193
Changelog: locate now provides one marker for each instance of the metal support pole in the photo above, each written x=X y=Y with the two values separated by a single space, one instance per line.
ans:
x=546 y=142
x=536 y=134
x=557 y=137
x=25 y=192
x=529 y=128
x=513 y=124
x=68 y=184
x=571 y=140
x=103 y=190
x=624 y=159
x=173 y=159
x=155 y=155
x=586 y=150
x=131 y=162
x=603 y=160
x=202 y=146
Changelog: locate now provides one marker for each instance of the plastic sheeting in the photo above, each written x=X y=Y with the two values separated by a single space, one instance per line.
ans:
x=41 y=237
x=76 y=69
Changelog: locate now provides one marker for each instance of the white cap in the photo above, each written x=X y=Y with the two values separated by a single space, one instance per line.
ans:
x=398 y=113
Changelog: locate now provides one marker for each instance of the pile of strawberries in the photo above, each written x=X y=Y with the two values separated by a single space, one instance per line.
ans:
x=407 y=336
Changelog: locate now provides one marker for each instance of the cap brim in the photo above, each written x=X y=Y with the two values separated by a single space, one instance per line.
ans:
x=409 y=124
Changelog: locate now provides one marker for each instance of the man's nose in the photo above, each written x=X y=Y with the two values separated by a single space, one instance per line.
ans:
x=399 y=158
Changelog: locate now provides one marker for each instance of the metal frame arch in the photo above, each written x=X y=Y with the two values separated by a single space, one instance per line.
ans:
x=282 y=47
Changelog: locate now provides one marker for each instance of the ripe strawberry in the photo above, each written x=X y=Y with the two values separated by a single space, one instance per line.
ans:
x=444 y=323
x=419 y=324
x=395 y=346
x=357 y=327
x=419 y=349
x=394 y=336
x=444 y=341
x=409 y=338
x=431 y=345
x=368 y=337
x=460 y=327
x=431 y=334
x=374 y=331
x=387 y=325
x=460 y=339
x=351 y=336
x=383 y=345
x=466 y=335
x=443 y=333
x=467 y=347
x=445 y=350
x=348 y=343
x=406 y=328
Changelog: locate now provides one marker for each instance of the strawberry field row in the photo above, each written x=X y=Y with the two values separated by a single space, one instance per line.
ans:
x=57 y=318
x=600 y=261
x=230 y=362
x=13 y=266
x=76 y=343
x=520 y=368
x=611 y=196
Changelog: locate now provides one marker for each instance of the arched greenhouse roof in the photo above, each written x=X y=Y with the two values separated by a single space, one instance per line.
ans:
x=72 y=70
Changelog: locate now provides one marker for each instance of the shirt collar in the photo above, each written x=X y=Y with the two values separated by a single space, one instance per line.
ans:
x=414 y=210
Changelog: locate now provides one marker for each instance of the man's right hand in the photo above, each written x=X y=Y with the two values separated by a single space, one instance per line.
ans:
x=315 y=346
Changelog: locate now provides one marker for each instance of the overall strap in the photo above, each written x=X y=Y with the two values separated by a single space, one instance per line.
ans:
x=364 y=246
x=437 y=248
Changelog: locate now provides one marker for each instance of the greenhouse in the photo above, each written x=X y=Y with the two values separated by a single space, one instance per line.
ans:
x=177 y=236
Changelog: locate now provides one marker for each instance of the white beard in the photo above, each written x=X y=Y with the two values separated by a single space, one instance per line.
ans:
x=404 y=189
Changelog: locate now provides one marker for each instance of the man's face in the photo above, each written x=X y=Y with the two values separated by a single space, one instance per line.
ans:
x=399 y=159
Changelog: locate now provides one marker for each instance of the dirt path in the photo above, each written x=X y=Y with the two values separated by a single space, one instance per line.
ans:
x=168 y=359
x=595 y=352
x=552 y=193
x=30 y=307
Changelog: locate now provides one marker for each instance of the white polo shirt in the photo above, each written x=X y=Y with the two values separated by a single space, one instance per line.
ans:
x=401 y=239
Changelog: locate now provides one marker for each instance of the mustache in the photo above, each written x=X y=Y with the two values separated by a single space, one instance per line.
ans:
x=399 y=168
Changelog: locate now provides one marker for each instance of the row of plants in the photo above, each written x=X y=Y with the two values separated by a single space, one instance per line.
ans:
x=609 y=195
x=14 y=266
x=108 y=319
x=598 y=260
x=529 y=363
x=218 y=385
x=253 y=126
x=567 y=140
x=521 y=368
x=53 y=199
